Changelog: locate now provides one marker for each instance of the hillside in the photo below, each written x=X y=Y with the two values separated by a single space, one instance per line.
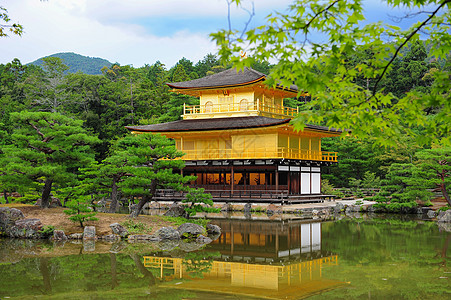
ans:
x=77 y=62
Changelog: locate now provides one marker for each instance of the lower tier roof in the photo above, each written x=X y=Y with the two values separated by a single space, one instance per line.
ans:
x=220 y=124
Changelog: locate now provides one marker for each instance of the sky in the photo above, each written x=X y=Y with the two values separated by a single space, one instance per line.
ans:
x=135 y=32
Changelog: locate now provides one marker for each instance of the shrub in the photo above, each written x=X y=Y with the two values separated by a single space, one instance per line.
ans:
x=80 y=212
x=47 y=231
x=136 y=227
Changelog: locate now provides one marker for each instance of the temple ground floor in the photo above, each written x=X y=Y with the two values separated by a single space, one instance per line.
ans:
x=257 y=176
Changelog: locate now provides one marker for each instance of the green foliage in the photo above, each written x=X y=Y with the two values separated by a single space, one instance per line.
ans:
x=46 y=148
x=344 y=72
x=198 y=201
x=327 y=188
x=444 y=208
x=78 y=63
x=179 y=221
x=80 y=212
x=135 y=227
x=5 y=26
x=370 y=180
x=47 y=231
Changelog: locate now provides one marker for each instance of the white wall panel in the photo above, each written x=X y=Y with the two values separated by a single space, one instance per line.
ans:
x=305 y=183
x=316 y=183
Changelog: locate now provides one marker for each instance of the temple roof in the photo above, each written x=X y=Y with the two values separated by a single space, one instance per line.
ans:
x=219 y=124
x=227 y=78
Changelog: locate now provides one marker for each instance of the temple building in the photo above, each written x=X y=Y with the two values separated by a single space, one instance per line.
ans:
x=239 y=140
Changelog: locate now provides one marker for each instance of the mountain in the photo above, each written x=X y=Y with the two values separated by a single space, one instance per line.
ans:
x=77 y=62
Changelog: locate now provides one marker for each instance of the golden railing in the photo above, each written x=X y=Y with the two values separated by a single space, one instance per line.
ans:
x=240 y=107
x=259 y=153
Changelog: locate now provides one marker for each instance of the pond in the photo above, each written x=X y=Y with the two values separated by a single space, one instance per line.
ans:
x=352 y=258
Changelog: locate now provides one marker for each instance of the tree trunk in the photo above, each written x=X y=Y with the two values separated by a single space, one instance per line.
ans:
x=144 y=200
x=445 y=192
x=143 y=269
x=114 y=200
x=5 y=195
x=45 y=272
x=45 y=198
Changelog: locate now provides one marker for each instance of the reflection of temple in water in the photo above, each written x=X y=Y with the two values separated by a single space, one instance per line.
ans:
x=264 y=241
x=264 y=259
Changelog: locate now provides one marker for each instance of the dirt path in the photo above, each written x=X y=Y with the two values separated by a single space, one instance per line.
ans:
x=57 y=218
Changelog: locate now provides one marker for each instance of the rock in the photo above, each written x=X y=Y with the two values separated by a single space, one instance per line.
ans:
x=168 y=245
x=26 y=228
x=444 y=226
x=154 y=205
x=315 y=212
x=226 y=207
x=201 y=239
x=59 y=235
x=55 y=202
x=75 y=236
x=273 y=209
x=190 y=230
x=141 y=237
x=176 y=210
x=89 y=233
x=118 y=246
x=167 y=233
x=8 y=217
x=110 y=237
x=189 y=245
x=247 y=208
x=431 y=214
x=89 y=245
x=445 y=218
x=339 y=207
x=214 y=237
x=213 y=229
x=119 y=230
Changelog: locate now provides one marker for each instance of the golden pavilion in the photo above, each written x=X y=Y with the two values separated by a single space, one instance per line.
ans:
x=239 y=141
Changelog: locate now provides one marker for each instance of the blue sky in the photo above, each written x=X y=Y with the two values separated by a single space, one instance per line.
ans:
x=134 y=32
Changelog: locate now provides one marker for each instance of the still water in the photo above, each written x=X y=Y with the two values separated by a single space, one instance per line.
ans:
x=378 y=258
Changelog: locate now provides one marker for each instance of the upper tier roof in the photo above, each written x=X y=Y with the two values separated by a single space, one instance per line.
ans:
x=219 y=124
x=227 y=78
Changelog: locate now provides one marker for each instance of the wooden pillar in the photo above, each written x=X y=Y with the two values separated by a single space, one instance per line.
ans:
x=277 y=179
x=289 y=182
x=232 y=179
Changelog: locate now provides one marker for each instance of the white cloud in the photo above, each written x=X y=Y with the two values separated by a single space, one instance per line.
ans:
x=107 y=29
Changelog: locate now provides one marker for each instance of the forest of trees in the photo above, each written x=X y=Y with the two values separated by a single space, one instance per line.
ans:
x=123 y=95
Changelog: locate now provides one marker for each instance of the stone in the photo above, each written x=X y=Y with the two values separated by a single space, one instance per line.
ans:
x=445 y=218
x=339 y=207
x=273 y=209
x=213 y=229
x=154 y=205
x=26 y=228
x=176 y=210
x=247 y=208
x=315 y=212
x=140 y=237
x=8 y=217
x=431 y=214
x=110 y=237
x=118 y=246
x=190 y=230
x=168 y=233
x=75 y=236
x=59 y=235
x=168 y=245
x=201 y=239
x=214 y=237
x=119 y=230
x=444 y=226
x=89 y=245
x=55 y=202
x=89 y=233
x=226 y=207
x=189 y=245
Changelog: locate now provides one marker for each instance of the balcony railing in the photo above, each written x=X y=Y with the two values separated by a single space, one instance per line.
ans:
x=256 y=107
x=259 y=153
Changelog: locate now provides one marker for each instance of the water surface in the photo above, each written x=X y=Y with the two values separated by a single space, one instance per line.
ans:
x=379 y=258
